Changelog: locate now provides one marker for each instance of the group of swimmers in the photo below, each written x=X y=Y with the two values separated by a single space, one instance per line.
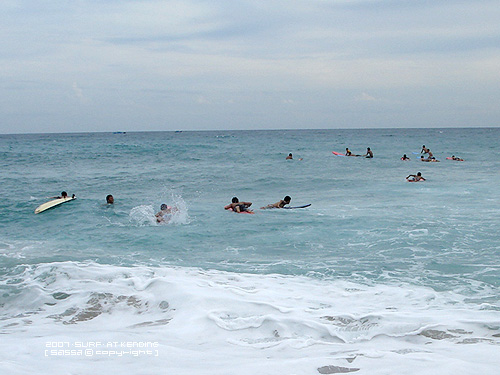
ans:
x=237 y=206
x=166 y=211
x=430 y=157
x=161 y=215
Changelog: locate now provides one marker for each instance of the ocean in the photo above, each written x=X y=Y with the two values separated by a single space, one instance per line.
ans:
x=377 y=276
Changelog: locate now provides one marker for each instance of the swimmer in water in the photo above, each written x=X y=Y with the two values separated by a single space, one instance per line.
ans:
x=110 y=199
x=282 y=203
x=289 y=157
x=369 y=153
x=164 y=211
x=404 y=157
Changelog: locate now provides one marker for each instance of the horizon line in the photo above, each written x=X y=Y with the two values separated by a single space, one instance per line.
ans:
x=117 y=132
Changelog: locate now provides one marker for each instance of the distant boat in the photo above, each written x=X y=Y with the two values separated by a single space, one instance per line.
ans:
x=119 y=132
x=178 y=131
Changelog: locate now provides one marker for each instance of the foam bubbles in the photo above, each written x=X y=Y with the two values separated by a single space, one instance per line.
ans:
x=146 y=214
x=142 y=215
x=214 y=322
x=180 y=214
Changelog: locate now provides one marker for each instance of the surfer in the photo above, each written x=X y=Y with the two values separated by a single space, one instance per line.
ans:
x=238 y=206
x=289 y=157
x=369 y=153
x=453 y=157
x=348 y=152
x=425 y=150
x=63 y=195
x=282 y=203
x=431 y=159
x=110 y=199
x=404 y=157
x=164 y=210
x=415 y=177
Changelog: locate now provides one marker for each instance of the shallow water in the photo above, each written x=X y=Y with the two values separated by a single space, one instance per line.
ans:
x=377 y=272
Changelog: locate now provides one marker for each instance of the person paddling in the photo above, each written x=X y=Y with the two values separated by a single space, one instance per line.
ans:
x=238 y=206
x=415 y=177
x=282 y=203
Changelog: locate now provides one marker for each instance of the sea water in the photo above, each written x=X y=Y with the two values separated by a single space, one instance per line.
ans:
x=377 y=276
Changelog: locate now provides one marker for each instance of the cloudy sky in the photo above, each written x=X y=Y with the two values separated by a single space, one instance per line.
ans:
x=123 y=65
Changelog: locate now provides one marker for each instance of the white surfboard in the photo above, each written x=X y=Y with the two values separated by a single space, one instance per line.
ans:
x=53 y=203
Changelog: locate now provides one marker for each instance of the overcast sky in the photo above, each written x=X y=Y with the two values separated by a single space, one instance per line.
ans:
x=123 y=65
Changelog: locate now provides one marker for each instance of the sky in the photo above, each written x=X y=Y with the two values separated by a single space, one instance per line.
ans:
x=147 y=65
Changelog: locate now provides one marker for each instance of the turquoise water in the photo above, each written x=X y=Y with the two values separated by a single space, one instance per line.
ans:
x=366 y=226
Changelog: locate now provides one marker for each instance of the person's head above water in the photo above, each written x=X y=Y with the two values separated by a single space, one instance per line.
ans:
x=64 y=194
x=287 y=199
x=163 y=207
x=235 y=200
x=110 y=199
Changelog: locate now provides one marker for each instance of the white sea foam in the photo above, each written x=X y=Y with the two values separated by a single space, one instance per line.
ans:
x=180 y=215
x=214 y=322
x=143 y=215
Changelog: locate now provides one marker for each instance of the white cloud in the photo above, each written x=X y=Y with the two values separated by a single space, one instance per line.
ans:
x=79 y=93
x=364 y=97
x=202 y=100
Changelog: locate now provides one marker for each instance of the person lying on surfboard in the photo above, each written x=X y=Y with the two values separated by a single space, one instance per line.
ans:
x=63 y=195
x=282 y=203
x=238 y=206
x=433 y=159
x=349 y=153
x=415 y=177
